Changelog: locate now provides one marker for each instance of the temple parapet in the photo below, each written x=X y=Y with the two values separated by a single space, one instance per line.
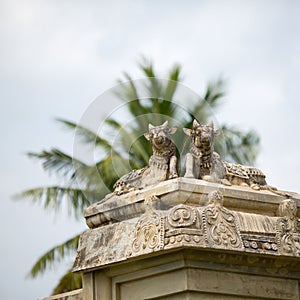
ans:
x=193 y=213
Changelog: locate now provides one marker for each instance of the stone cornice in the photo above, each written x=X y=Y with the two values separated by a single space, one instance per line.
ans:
x=116 y=208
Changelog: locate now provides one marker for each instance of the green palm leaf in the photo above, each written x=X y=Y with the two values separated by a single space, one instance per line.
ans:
x=58 y=162
x=170 y=89
x=240 y=147
x=87 y=135
x=54 y=256
x=69 y=282
x=51 y=198
x=214 y=92
x=129 y=141
x=213 y=95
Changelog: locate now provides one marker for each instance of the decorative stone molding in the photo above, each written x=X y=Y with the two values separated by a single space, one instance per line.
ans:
x=288 y=233
x=182 y=216
x=183 y=227
x=148 y=232
x=152 y=222
x=220 y=225
x=190 y=191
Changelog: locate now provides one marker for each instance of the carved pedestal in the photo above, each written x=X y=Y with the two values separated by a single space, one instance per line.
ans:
x=189 y=239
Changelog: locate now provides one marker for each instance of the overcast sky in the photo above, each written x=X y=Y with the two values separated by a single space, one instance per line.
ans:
x=56 y=57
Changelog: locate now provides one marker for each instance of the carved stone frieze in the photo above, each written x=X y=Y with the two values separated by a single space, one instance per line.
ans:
x=220 y=225
x=155 y=225
x=258 y=232
x=182 y=216
x=148 y=232
x=288 y=232
x=260 y=243
x=214 y=226
x=184 y=227
x=290 y=244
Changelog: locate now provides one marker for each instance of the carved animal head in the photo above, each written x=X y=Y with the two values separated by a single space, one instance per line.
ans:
x=202 y=135
x=160 y=136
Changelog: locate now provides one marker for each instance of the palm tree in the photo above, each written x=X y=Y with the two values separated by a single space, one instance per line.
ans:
x=87 y=183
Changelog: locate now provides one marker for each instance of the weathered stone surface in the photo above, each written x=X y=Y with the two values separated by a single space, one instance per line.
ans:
x=210 y=282
x=104 y=245
x=116 y=208
x=193 y=273
x=191 y=239
x=208 y=225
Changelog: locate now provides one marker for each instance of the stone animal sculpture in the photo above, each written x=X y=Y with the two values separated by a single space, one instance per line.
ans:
x=162 y=164
x=203 y=163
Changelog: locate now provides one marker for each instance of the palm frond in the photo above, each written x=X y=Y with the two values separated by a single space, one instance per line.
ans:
x=238 y=146
x=211 y=100
x=146 y=65
x=59 y=162
x=51 y=198
x=54 y=256
x=170 y=89
x=68 y=282
x=128 y=89
x=129 y=93
x=129 y=140
x=88 y=136
x=154 y=87
x=111 y=169
x=214 y=92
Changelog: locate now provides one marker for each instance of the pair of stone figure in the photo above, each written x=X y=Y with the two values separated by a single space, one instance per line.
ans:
x=201 y=161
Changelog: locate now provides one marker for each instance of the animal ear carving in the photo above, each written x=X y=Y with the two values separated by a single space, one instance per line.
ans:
x=172 y=130
x=195 y=123
x=147 y=136
x=187 y=131
x=211 y=125
x=150 y=126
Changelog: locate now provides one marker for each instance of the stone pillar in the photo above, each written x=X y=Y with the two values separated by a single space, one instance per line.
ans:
x=190 y=239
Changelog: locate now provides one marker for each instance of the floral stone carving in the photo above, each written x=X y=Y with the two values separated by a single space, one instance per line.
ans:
x=220 y=224
x=148 y=232
x=184 y=227
x=209 y=225
x=214 y=226
x=288 y=234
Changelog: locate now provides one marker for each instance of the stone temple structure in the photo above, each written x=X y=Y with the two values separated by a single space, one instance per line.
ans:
x=219 y=232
